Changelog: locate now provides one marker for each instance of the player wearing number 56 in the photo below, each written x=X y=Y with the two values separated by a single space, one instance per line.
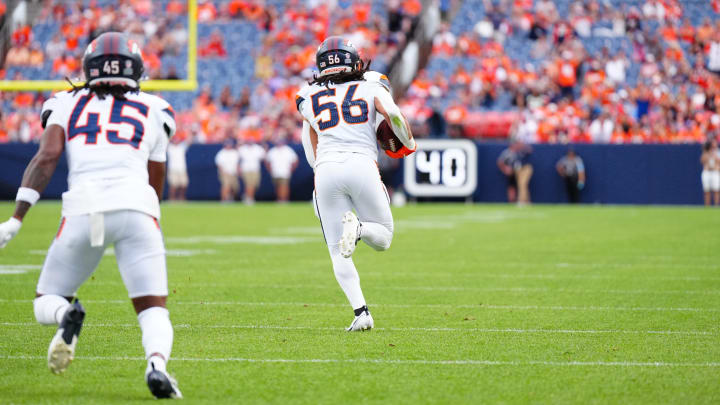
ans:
x=341 y=109
x=115 y=138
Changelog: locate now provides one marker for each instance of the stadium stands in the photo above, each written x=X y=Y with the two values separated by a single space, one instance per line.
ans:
x=542 y=71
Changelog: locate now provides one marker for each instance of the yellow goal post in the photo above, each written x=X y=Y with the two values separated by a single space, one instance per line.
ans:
x=188 y=84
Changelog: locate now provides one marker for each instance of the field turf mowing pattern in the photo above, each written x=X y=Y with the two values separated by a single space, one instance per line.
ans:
x=472 y=304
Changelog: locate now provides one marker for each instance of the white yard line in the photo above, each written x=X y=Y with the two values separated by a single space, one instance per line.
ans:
x=168 y=252
x=240 y=239
x=478 y=275
x=464 y=306
x=549 y=276
x=238 y=285
x=18 y=268
x=471 y=362
x=410 y=329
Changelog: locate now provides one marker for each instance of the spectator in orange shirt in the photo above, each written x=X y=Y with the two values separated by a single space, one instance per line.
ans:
x=412 y=7
x=567 y=75
x=361 y=11
x=668 y=32
x=461 y=77
x=22 y=36
x=704 y=32
x=175 y=8
x=23 y=100
x=37 y=57
x=687 y=31
x=65 y=66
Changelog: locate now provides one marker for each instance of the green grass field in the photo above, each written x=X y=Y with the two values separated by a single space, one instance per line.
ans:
x=472 y=304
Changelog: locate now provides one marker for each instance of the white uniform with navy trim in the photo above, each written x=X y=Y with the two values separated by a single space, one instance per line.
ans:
x=343 y=116
x=108 y=145
x=346 y=171
x=109 y=201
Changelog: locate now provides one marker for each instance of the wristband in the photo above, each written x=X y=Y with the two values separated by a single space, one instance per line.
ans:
x=28 y=195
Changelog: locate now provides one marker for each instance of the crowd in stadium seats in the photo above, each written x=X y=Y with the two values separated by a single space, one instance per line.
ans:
x=260 y=106
x=581 y=71
x=573 y=70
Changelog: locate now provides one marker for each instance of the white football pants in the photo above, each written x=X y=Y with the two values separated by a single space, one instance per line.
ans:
x=352 y=182
x=139 y=251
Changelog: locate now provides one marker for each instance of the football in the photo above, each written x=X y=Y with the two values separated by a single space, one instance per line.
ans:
x=386 y=137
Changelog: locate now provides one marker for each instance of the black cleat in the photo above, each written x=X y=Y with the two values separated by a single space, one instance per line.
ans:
x=62 y=347
x=162 y=385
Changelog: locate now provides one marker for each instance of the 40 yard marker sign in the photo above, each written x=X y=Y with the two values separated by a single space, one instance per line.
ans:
x=442 y=168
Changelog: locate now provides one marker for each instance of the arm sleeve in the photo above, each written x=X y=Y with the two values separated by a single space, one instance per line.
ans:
x=54 y=112
x=159 y=150
x=307 y=144
x=165 y=124
x=397 y=122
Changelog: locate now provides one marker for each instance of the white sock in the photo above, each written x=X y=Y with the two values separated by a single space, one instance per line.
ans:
x=49 y=309
x=156 y=362
x=157 y=335
x=375 y=235
x=348 y=278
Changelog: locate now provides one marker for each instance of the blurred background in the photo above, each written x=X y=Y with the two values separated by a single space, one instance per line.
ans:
x=596 y=74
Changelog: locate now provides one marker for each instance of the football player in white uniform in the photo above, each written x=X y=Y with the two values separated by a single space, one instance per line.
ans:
x=340 y=109
x=115 y=139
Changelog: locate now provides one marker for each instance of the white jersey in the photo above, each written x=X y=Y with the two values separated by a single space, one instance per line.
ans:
x=343 y=116
x=281 y=159
x=108 y=144
x=250 y=157
x=177 y=162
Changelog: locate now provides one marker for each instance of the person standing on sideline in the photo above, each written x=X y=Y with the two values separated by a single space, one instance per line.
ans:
x=177 y=169
x=523 y=172
x=281 y=161
x=506 y=162
x=571 y=168
x=251 y=154
x=710 y=160
x=227 y=160
x=115 y=138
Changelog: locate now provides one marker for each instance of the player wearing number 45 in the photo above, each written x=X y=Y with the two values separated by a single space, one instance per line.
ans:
x=341 y=110
x=115 y=138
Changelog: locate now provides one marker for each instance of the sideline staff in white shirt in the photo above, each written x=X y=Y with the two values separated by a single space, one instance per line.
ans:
x=281 y=162
x=227 y=160
x=251 y=154
x=177 y=169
